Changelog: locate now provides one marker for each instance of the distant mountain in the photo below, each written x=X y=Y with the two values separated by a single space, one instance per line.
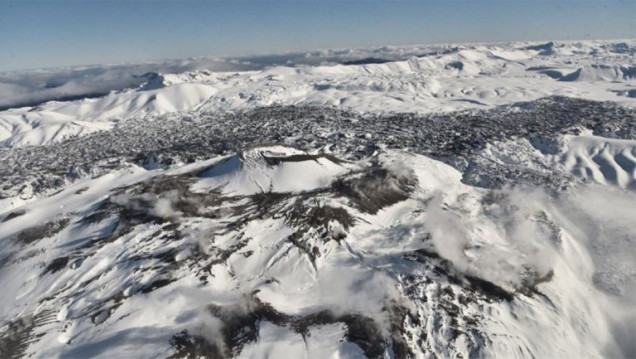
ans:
x=436 y=78
x=494 y=233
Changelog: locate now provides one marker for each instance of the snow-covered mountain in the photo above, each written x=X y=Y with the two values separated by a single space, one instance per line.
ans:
x=378 y=209
x=426 y=79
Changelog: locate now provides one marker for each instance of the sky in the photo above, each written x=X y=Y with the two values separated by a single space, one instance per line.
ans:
x=38 y=34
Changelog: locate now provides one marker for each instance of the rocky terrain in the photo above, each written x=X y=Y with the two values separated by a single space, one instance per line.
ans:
x=442 y=201
x=318 y=232
x=458 y=139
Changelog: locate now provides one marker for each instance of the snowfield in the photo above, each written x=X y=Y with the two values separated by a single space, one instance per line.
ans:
x=432 y=79
x=474 y=201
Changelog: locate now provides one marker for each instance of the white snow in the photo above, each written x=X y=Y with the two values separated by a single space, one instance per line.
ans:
x=498 y=242
x=468 y=76
x=568 y=259
x=248 y=172
x=603 y=160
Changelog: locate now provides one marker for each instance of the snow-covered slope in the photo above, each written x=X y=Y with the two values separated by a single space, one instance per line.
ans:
x=497 y=233
x=392 y=257
x=439 y=79
x=403 y=202
x=272 y=169
x=607 y=161
x=56 y=121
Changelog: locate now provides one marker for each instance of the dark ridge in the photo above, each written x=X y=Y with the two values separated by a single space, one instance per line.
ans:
x=187 y=346
x=490 y=289
x=61 y=98
x=455 y=65
x=552 y=74
x=443 y=273
x=397 y=316
x=134 y=205
x=17 y=335
x=35 y=234
x=13 y=215
x=546 y=46
x=538 y=68
x=470 y=101
x=6 y=259
x=441 y=52
x=265 y=201
x=159 y=283
x=374 y=189
x=367 y=61
x=240 y=327
x=304 y=215
x=56 y=265
x=532 y=280
x=275 y=160
x=573 y=76
x=544 y=49
x=446 y=269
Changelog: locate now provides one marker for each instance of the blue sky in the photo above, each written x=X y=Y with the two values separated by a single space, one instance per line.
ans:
x=58 y=33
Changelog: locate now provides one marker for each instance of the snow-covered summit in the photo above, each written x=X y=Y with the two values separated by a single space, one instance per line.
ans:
x=273 y=168
x=395 y=257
